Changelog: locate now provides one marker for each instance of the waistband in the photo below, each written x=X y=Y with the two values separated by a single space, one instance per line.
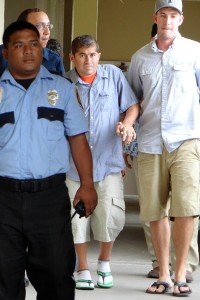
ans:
x=31 y=185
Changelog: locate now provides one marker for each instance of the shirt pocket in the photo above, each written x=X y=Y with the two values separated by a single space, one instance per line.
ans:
x=183 y=76
x=106 y=98
x=7 y=120
x=148 y=77
x=55 y=118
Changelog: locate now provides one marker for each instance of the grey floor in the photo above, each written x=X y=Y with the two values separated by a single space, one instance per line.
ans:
x=130 y=264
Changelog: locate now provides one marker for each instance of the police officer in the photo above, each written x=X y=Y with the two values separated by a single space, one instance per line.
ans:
x=40 y=119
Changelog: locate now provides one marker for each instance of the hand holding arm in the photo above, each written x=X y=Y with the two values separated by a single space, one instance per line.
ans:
x=125 y=128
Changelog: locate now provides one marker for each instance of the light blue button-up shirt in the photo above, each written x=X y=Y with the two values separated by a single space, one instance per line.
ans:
x=33 y=131
x=103 y=101
x=168 y=82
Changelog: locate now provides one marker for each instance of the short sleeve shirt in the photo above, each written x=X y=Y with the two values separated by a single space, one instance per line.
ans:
x=35 y=123
x=103 y=102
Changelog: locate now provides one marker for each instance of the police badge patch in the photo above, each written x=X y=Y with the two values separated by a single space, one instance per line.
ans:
x=53 y=97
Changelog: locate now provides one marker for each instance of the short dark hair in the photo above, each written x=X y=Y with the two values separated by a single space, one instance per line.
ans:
x=154 y=30
x=24 y=14
x=17 y=26
x=84 y=41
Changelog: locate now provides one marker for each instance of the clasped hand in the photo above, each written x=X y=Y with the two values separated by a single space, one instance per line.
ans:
x=126 y=131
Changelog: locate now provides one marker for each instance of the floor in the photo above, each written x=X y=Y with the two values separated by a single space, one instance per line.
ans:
x=130 y=264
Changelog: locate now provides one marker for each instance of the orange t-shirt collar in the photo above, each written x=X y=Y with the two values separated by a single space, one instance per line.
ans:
x=89 y=79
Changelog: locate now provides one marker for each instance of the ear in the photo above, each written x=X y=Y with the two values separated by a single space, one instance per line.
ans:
x=181 y=19
x=5 y=53
x=99 y=55
x=71 y=57
x=155 y=18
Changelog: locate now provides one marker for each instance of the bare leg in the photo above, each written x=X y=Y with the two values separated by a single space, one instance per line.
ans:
x=81 y=251
x=105 y=279
x=160 y=234
x=148 y=239
x=105 y=250
x=84 y=279
x=193 y=252
x=182 y=239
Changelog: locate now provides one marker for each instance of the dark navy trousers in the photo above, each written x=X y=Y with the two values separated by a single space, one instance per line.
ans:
x=36 y=236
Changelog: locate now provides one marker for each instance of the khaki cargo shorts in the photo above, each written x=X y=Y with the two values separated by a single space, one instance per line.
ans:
x=178 y=172
x=108 y=218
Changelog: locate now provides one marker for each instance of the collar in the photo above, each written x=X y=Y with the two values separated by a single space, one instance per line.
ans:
x=43 y=73
x=173 y=45
x=101 y=73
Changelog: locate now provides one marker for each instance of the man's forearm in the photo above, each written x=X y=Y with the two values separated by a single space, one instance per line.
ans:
x=131 y=115
x=82 y=158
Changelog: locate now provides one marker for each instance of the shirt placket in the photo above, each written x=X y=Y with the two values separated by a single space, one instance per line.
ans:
x=91 y=118
x=164 y=95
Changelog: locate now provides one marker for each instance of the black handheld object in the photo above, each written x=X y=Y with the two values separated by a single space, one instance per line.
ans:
x=79 y=209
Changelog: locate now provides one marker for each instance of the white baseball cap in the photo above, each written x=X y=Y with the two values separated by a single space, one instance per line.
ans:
x=177 y=4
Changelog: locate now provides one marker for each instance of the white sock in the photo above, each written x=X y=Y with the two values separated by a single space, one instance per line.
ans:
x=84 y=274
x=104 y=266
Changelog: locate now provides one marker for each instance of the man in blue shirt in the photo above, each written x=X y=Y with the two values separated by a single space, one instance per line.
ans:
x=104 y=94
x=51 y=60
x=40 y=121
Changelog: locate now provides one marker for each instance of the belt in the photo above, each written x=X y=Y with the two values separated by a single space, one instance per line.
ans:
x=31 y=185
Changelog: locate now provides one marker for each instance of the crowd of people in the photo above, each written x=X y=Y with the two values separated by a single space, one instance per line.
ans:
x=65 y=138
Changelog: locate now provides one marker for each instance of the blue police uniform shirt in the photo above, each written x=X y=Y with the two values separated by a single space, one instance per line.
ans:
x=103 y=102
x=51 y=60
x=34 y=124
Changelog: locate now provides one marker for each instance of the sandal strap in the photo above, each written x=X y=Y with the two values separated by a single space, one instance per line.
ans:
x=104 y=274
x=84 y=280
x=181 y=284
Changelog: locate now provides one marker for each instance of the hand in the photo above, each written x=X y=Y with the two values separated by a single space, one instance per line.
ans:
x=126 y=131
x=123 y=172
x=126 y=156
x=88 y=195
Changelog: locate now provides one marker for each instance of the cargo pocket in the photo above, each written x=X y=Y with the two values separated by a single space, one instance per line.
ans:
x=117 y=214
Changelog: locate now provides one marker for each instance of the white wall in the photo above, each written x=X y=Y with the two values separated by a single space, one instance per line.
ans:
x=2 y=5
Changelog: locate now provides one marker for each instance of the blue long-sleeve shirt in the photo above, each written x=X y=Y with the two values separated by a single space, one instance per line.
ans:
x=168 y=82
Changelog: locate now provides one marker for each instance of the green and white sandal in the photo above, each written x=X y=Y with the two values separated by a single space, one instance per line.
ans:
x=105 y=280
x=83 y=284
